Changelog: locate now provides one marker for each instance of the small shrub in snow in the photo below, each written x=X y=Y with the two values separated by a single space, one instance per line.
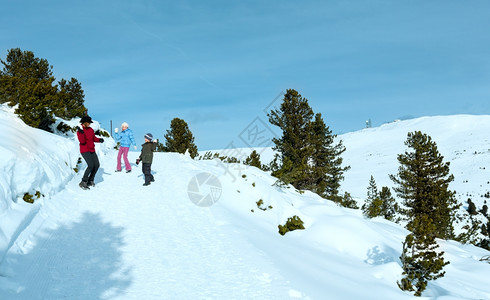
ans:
x=63 y=127
x=260 y=204
x=102 y=133
x=232 y=160
x=292 y=223
x=348 y=202
x=254 y=160
x=79 y=161
x=30 y=198
x=471 y=207
x=484 y=210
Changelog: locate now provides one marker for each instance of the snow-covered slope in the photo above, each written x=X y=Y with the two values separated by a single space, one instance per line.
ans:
x=121 y=240
x=463 y=140
x=32 y=160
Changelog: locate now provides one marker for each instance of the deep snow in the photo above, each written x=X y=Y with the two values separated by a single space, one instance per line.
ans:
x=121 y=240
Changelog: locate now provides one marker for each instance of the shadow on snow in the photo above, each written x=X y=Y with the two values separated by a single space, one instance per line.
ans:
x=82 y=260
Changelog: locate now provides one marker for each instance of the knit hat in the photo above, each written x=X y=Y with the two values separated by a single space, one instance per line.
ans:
x=85 y=119
x=149 y=137
x=124 y=124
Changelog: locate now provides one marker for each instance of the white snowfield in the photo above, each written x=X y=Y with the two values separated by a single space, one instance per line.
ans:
x=122 y=240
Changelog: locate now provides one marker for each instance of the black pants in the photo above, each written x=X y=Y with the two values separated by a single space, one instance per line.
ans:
x=92 y=166
x=147 y=172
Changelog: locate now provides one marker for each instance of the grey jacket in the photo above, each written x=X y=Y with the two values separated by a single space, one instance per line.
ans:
x=146 y=155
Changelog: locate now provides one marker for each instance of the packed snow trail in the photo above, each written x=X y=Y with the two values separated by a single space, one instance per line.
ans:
x=121 y=240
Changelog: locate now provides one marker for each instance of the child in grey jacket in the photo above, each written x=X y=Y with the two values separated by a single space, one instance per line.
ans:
x=146 y=157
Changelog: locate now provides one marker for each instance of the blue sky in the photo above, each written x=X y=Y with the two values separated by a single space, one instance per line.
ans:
x=220 y=64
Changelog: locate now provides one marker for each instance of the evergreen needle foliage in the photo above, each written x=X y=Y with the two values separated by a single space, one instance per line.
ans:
x=28 y=82
x=389 y=207
x=308 y=157
x=292 y=224
x=379 y=203
x=179 y=138
x=254 y=160
x=373 y=205
x=422 y=182
x=420 y=260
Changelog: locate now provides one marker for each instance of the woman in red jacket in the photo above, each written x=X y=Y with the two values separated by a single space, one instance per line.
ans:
x=87 y=137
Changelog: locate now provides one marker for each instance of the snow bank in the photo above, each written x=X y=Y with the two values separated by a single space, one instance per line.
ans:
x=32 y=160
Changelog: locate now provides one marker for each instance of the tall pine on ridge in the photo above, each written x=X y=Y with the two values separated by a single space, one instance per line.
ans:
x=294 y=119
x=327 y=171
x=423 y=184
x=308 y=158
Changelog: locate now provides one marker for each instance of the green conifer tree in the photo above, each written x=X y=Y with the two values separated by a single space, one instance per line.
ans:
x=179 y=138
x=160 y=147
x=421 y=262
x=373 y=206
x=70 y=100
x=347 y=201
x=389 y=206
x=326 y=161
x=253 y=160
x=28 y=81
x=423 y=183
x=308 y=157
x=294 y=119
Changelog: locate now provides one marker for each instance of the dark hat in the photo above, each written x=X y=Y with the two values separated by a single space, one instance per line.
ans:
x=86 y=119
x=149 y=137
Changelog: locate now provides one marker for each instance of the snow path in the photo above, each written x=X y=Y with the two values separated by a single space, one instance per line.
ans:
x=121 y=240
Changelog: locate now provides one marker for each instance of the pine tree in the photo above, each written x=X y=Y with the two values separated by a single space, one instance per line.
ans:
x=423 y=183
x=347 y=201
x=373 y=206
x=307 y=156
x=160 y=147
x=294 y=119
x=421 y=262
x=28 y=81
x=327 y=171
x=389 y=206
x=179 y=138
x=70 y=100
x=253 y=160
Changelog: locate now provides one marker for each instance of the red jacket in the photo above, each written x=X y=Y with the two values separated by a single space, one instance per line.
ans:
x=87 y=139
